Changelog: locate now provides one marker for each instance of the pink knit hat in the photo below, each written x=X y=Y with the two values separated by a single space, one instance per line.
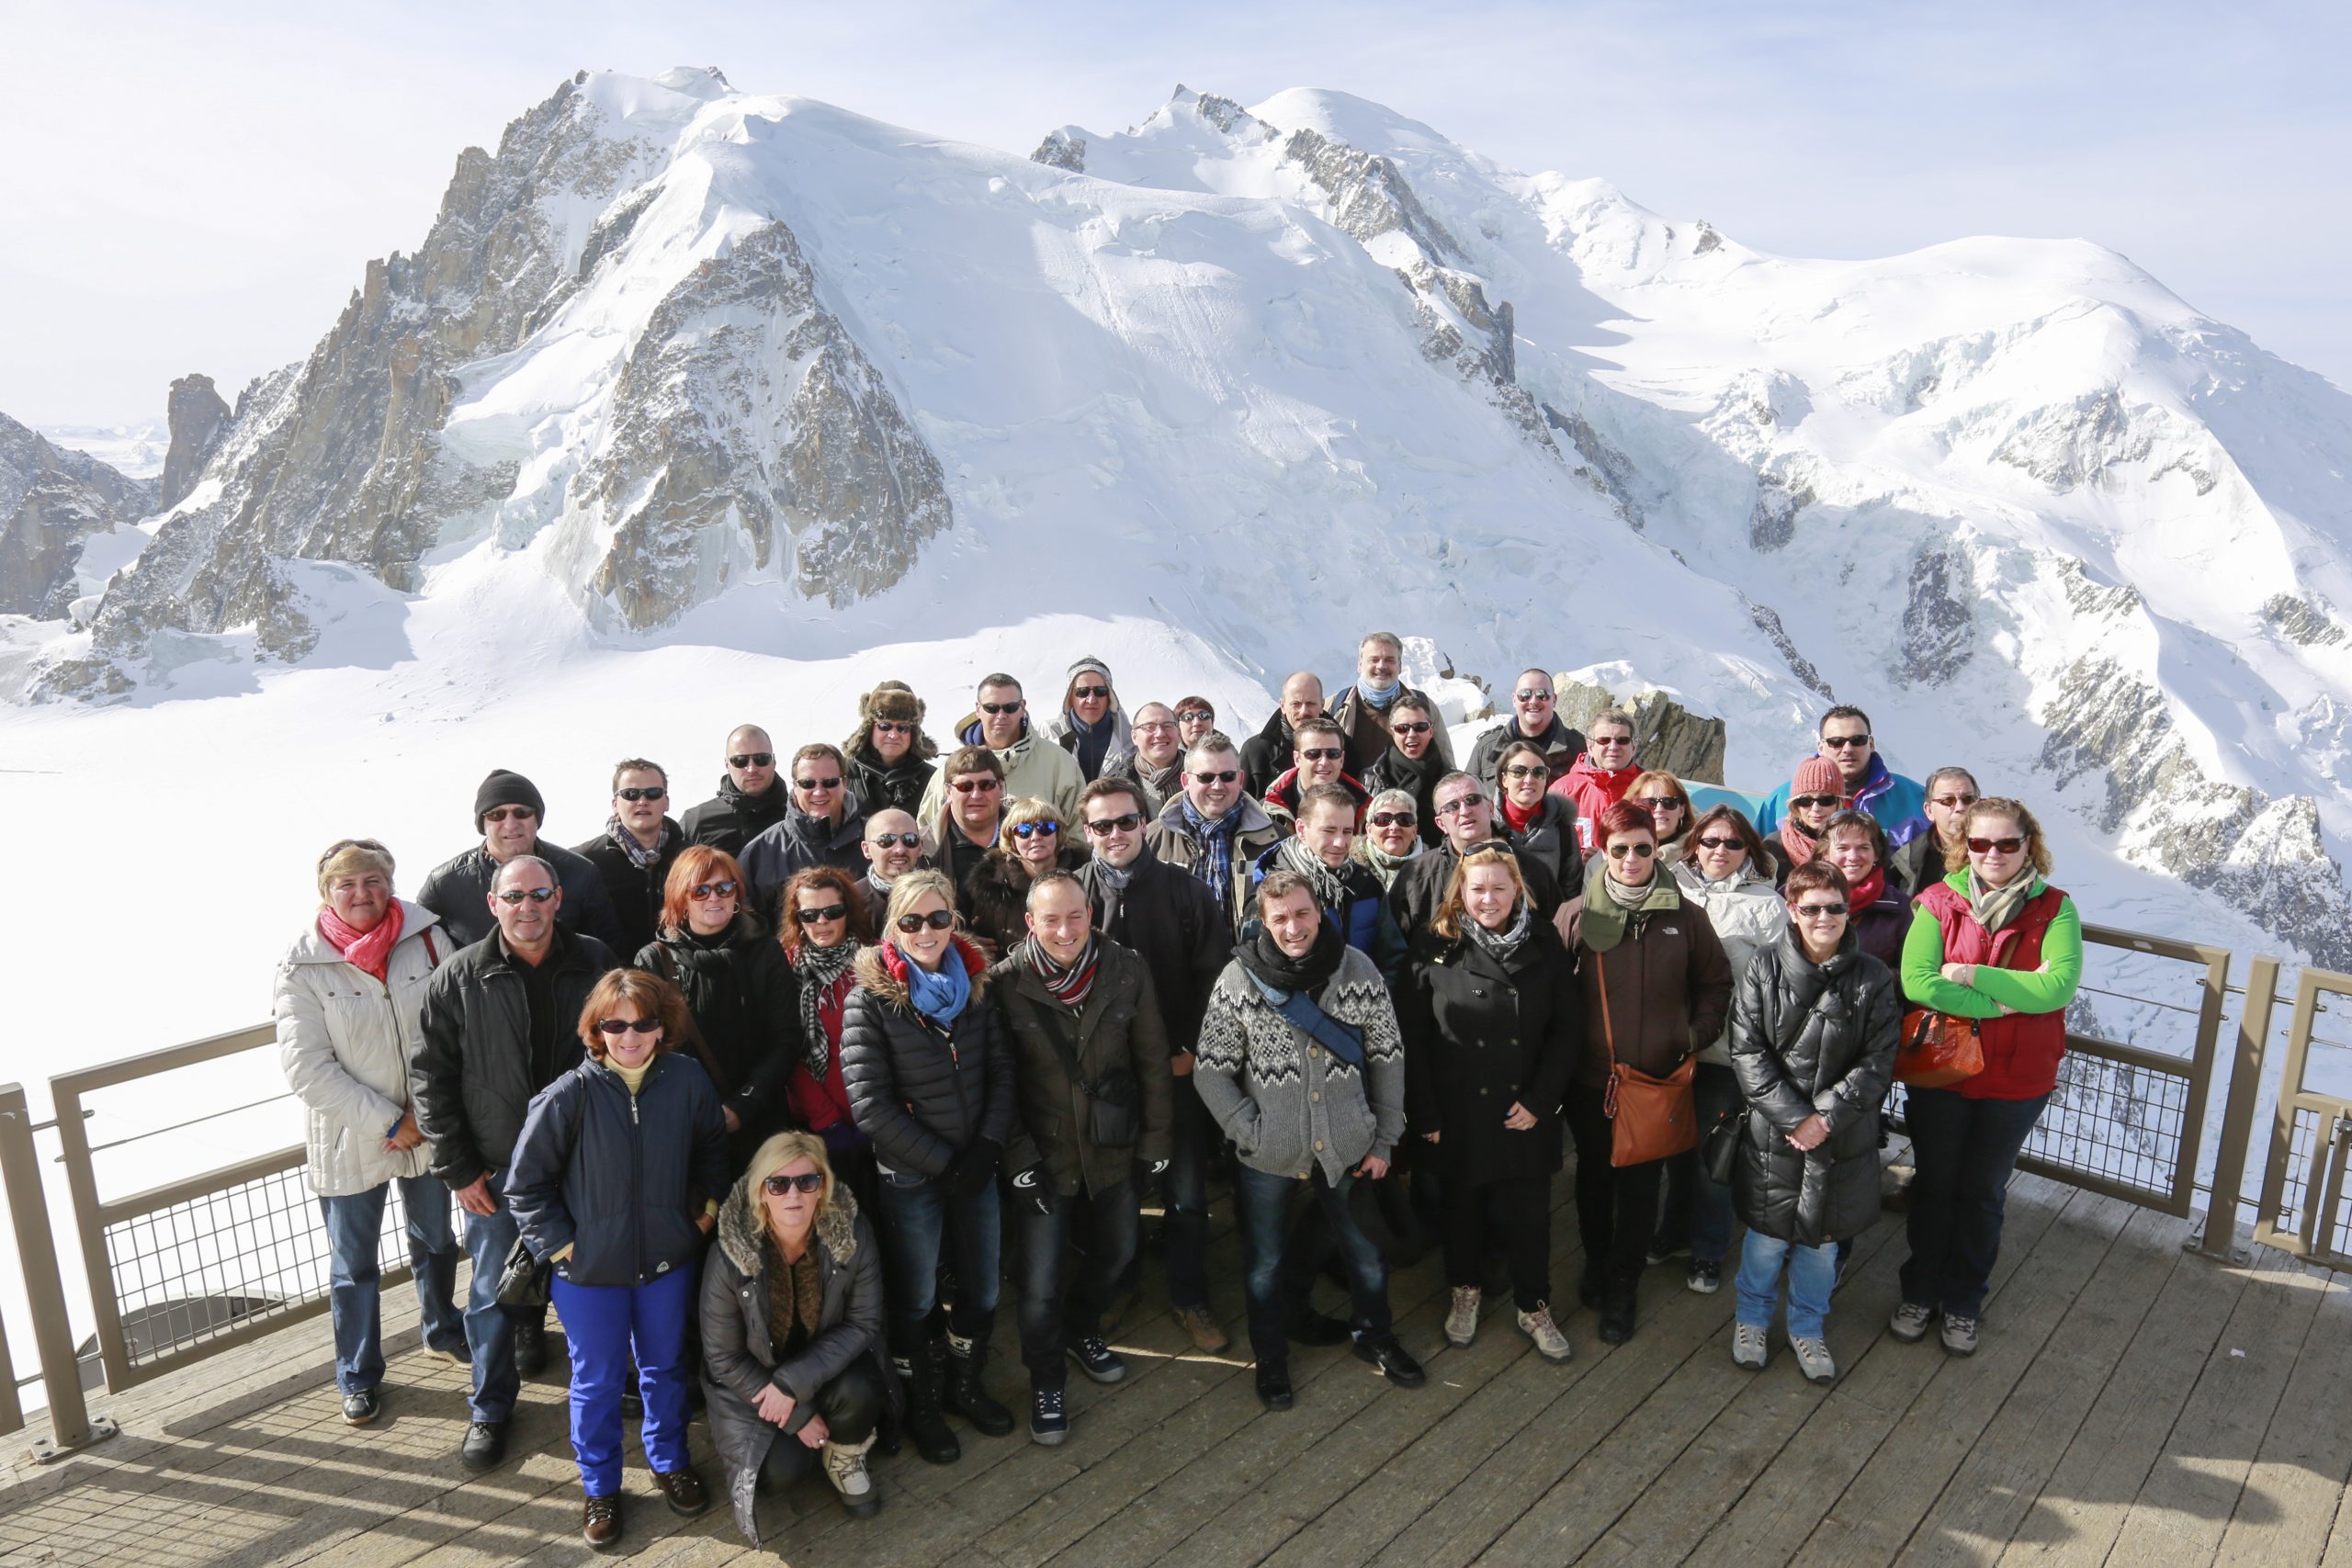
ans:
x=1817 y=775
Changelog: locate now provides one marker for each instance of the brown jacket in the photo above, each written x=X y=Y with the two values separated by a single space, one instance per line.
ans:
x=1668 y=993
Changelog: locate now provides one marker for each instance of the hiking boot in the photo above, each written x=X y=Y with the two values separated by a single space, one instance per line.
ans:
x=1461 y=1320
x=1960 y=1334
x=1705 y=1279
x=933 y=1438
x=1550 y=1343
x=362 y=1408
x=1813 y=1358
x=1617 y=1313
x=531 y=1355
x=1395 y=1362
x=683 y=1490
x=845 y=1468
x=600 y=1520
x=1208 y=1335
x=1048 y=1416
x=1096 y=1360
x=966 y=1395
x=1748 y=1346
x=1910 y=1322
x=484 y=1445
x=1274 y=1388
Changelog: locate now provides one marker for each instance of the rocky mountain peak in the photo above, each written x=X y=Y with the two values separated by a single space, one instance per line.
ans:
x=197 y=420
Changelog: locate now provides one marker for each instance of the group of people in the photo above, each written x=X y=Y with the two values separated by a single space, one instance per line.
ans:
x=763 y=1090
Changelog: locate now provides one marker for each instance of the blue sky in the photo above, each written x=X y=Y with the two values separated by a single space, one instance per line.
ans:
x=200 y=188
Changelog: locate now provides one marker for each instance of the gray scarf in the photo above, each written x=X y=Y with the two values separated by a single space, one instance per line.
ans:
x=1384 y=865
x=1997 y=907
x=638 y=855
x=1293 y=855
x=1626 y=897
x=1109 y=888
x=1502 y=945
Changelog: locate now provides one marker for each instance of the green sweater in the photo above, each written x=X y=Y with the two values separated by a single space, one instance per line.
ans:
x=2046 y=989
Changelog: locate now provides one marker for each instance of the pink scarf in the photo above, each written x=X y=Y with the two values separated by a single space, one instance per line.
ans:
x=370 y=951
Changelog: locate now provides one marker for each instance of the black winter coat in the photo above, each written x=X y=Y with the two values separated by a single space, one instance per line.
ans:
x=636 y=894
x=889 y=786
x=1480 y=1034
x=1550 y=839
x=746 y=1006
x=921 y=1096
x=1563 y=743
x=1840 y=1021
x=459 y=891
x=621 y=1179
x=793 y=845
x=470 y=1077
x=730 y=818
x=1119 y=1028
x=1171 y=921
x=1265 y=756
x=1420 y=886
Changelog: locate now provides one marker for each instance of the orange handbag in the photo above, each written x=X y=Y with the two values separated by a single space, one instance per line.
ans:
x=1937 y=1050
x=1649 y=1118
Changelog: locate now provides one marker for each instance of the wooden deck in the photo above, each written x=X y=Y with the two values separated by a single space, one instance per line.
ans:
x=2130 y=1404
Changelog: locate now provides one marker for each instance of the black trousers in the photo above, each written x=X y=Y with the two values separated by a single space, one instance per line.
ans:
x=852 y=1405
x=1616 y=1205
x=1516 y=1212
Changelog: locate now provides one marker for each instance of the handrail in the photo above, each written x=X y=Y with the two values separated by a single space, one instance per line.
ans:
x=71 y=1425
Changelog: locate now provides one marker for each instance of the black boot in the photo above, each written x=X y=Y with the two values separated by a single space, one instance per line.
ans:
x=966 y=1395
x=1617 y=1312
x=928 y=1430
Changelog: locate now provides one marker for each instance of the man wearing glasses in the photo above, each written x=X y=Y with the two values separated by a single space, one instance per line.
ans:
x=1030 y=764
x=1466 y=816
x=893 y=847
x=1533 y=718
x=508 y=812
x=1172 y=922
x=1156 y=763
x=1265 y=754
x=1950 y=792
x=962 y=826
x=1363 y=709
x=1600 y=778
x=749 y=799
x=1412 y=763
x=821 y=828
x=1895 y=803
x=1318 y=756
x=1215 y=830
x=634 y=851
x=499 y=1024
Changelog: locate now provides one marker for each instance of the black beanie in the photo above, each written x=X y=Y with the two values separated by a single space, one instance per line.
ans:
x=506 y=787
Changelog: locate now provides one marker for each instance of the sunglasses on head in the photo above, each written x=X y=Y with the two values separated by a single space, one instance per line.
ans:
x=1014 y=706
x=833 y=783
x=938 y=920
x=1986 y=846
x=644 y=791
x=1032 y=830
x=752 y=760
x=1126 y=823
x=1640 y=852
x=1227 y=776
x=516 y=895
x=1807 y=802
x=1082 y=693
x=1843 y=742
x=500 y=813
x=825 y=916
x=1819 y=911
x=1421 y=727
x=702 y=890
x=977 y=786
x=628 y=1025
x=779 y=1184
x=1322 y=754
x=1712 y=842
x=1395 y=819
x=884 y=840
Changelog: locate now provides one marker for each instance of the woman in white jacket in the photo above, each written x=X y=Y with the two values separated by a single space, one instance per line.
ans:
x=349 y=992
x=1725 y=872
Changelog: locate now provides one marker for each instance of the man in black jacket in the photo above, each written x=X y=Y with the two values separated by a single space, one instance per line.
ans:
x=823 y=827
x=508 y=813
x=1173 y=924
x=634 y=852
x=501 y=1023
x=749 y=801
x=892 y=847
x=1266 y=755
x=1466 y=816
x=1535 y=718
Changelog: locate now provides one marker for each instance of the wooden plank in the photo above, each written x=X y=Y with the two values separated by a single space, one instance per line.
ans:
x=2296 y=1486
x=2190 y=1496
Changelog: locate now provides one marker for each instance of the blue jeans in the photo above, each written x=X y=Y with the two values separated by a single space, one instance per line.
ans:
x=1184 y=1189
x=1069 y=1260
x=603 y=1325
x=490 y=1328
x=1277 y=1279
x=1698 y=1211
x=920 y=1215
x=1813 y=1274
x=1965 y=1150
x=355 y=1274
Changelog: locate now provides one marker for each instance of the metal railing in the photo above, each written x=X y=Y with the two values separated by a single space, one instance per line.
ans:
x=2302 y=1209
x=71 y=1425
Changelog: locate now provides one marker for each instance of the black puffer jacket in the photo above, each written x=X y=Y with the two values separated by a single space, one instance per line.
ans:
x=921 y=1095
x=470 y=1077
x=459 y=891
x=636 y=890
x=746 y=1006
x=889 y=786
x=1118 y=1031
x=729 y=819
x=621 y=1179
x=1481 y=1034
x=1840 y=1021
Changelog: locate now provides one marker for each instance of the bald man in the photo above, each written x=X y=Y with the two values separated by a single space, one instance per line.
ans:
x=1266 y=755
x=751 y=797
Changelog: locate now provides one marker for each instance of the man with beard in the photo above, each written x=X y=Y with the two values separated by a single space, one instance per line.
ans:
x=1412 y=762
x=1214 y=830
x=1156 y=763
x=1364 y=709
x=1266 y=754
x=889 y=756
x=749 y=799
x=1535 y=720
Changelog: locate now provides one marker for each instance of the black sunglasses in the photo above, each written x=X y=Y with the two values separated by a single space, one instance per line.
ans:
x=1126 y=823
x=1807 y=802
x=1842 y=742
x=1819 y=911
x=1323 y=754
x=1004 y=707
x=1523 y=772
x=1227 y=776
x=884 y=840
x=752 y=760
x=628 y=1025
x=647 y=792
x=516 y=895
x=777 y=1186
x=1640 y=852
x=893 y=727
x=833 y=783
x=1079 y=694
x=825 y=916
x=712 y=890
x=977 y=786
x=1420 y=728
x=1712 y=843
x=1986 y=846
x=938 y=920
x=1395 y=819
x=1196 y=716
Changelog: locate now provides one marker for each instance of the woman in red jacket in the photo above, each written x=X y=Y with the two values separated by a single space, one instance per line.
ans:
x=825 y=922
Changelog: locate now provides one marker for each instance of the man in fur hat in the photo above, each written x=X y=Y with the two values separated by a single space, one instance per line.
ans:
x=889 y=756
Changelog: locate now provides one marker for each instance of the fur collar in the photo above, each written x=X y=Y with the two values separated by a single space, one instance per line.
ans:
x=875 y=976
x=741 y=1226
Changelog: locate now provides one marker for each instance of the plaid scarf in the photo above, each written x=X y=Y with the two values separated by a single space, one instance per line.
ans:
x=1502 y=946
x=1293 y=854
x=1068 y=985
x=817 y=968
x=1107 y=888
x=638 y=855
x=1216 y=867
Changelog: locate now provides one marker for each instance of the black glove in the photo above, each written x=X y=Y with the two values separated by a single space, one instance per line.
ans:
x=1034 y=1186
x=976 y=1167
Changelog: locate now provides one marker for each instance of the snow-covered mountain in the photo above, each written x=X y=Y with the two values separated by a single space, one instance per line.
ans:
x=717 y=370
x=54 y=498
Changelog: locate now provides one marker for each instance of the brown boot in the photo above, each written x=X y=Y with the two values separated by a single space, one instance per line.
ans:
x=684 y=1489
x=1208 y=1335
x=600 y=1521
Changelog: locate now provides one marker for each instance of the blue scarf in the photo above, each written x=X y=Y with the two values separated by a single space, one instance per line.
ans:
x=1379 y=696
x=939 y=994
x=1216 y=868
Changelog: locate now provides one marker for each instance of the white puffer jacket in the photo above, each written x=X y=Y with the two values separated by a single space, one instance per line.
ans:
x=345 y=1040
x=1748 y=917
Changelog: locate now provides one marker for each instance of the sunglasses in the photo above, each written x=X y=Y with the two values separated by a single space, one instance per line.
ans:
x=1532 y=696
x=1102 y=826
x=825 y=916
x=752 y=760
x=1146 y=725
x=1842 y=742
x=516 y=895
x=1522 y=771
x=1612 y=742
x=1659 y=803
x=1986 y=846
x=1395 y=819
x=1032 y=830
x=884 y=840
x=500 y=813
x=1449 y=807
x=1197 y=716
x=1410 y=729
x=1082 y=693
x=994 y=709
x=1807 y=802
x=777 y=1186
x=1322 y=754
x=977 y=786
x=628 y=1025
x=1712 y=843
x=938 y=920
x=1227 y=776
x=702 y=890
x=1640 y=852
x=1953 y=802
x=891 y=726
x=1819 y=911
x=833 y=783
x=647 y=792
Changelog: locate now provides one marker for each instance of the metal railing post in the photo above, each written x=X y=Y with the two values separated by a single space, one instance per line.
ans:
x=71 y=1425
x=2217 y=1236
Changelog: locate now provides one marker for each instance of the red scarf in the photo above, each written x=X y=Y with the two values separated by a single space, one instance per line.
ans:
x=1866 y=892
x=1801 y=846
x=369 y=950
x=1517 y=818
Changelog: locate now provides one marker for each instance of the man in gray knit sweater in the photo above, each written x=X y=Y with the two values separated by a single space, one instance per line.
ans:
x=1301 y=1064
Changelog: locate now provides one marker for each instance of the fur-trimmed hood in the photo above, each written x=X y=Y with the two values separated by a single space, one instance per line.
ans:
x=874 y=974
x=740 y=1226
